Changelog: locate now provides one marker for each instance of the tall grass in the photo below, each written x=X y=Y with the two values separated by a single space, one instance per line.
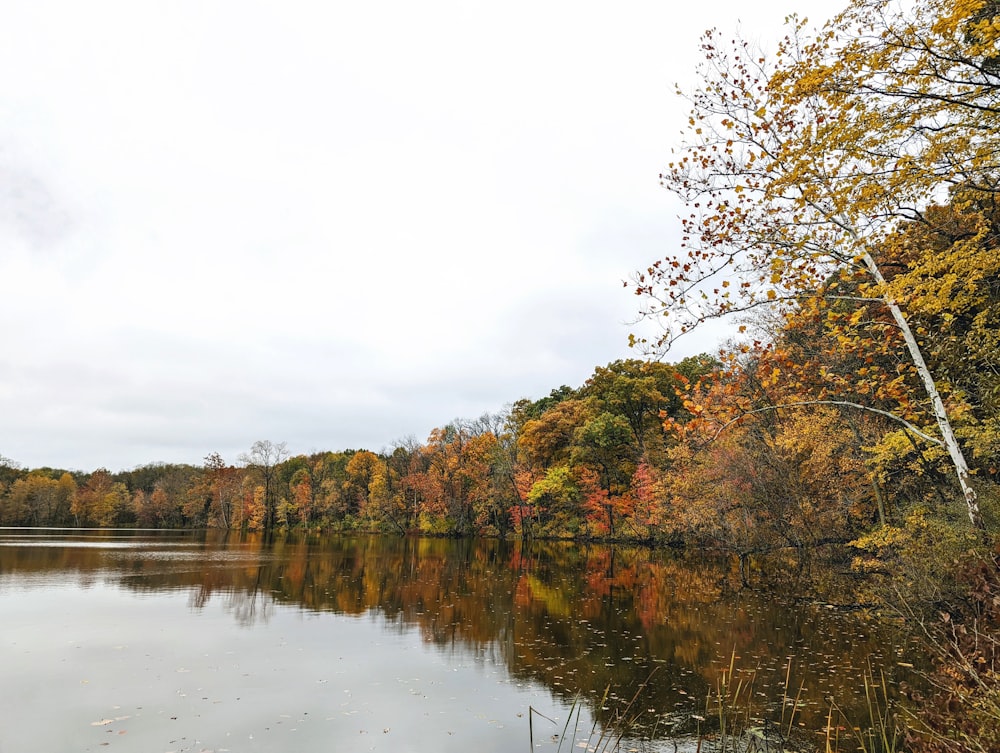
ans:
x=731 y=723
x=738 y=726
x=601 y=738
x=740 y=730
x=881 y=732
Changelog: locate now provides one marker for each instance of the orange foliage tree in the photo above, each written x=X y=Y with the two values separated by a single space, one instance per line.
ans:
x=798 y=170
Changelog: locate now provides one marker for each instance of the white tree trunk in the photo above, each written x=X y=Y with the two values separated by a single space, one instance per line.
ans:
x=937 y=404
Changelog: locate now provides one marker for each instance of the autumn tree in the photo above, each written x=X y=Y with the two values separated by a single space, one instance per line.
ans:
x=456 y=486
x=954 y=299
x=156 y=509
x=327 y=475
x=408 y=464
x=9 y=471
x=548 y=439
x=301 y=489
x=549 y=490
x=264 y=458
x=764 y=480
x=496 y=511
x=606 y=460
x=66 y=495
x=556 y=500
x=37 y=499
x=638 y=392
x=362 y=469
x=19 y=506
x=649 y=502
x=101 y=501
x=797 y=169
x=220 y=488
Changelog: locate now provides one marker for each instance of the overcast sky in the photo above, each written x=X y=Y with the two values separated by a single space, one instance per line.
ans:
x=326 y=223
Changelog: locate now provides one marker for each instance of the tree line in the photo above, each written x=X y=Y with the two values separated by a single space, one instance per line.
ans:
x=578 y=462
x=841 y=199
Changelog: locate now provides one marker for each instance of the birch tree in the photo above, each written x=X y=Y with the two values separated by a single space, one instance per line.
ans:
x=796 y=167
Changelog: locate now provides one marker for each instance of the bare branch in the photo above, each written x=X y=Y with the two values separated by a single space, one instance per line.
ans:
x=843 y=403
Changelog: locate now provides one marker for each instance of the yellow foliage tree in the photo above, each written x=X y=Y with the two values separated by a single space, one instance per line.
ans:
x=798 y=169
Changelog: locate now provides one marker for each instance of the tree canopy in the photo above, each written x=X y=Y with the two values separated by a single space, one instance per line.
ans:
x=802 y=169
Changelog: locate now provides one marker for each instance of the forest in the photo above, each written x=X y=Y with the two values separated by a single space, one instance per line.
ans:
x=581 y=462
x=841 y=205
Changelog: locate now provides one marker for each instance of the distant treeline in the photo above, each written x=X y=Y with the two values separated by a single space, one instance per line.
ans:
x=579 y=462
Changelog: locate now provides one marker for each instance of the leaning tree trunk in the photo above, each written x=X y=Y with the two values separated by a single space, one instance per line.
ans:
x=937 y=404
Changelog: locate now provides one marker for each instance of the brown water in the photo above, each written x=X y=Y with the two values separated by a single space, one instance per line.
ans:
x=181 y=641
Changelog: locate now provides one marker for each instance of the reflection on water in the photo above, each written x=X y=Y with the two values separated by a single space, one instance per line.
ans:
x=383 y=633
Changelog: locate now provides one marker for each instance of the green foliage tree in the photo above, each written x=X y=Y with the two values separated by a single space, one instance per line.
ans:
x=556 y=498
x=638 y=392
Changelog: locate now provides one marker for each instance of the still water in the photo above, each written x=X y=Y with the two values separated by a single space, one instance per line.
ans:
x=194 y=641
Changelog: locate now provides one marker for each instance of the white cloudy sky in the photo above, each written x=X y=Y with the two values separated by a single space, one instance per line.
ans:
x=327 y=223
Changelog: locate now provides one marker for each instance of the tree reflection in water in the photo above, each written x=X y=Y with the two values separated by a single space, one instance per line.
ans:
x=579 y=618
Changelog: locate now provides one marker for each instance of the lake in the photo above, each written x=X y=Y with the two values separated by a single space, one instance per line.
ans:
x=200 y=641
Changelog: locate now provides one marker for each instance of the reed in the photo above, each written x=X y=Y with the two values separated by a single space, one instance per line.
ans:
x=730 y=723
x=602 y=738
x=740 y=729
x=881 y=732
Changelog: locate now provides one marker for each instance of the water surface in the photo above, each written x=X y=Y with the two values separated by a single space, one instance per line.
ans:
x=194 y=641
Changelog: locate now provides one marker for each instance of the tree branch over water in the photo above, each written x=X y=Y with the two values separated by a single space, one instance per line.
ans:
x=843 y=403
